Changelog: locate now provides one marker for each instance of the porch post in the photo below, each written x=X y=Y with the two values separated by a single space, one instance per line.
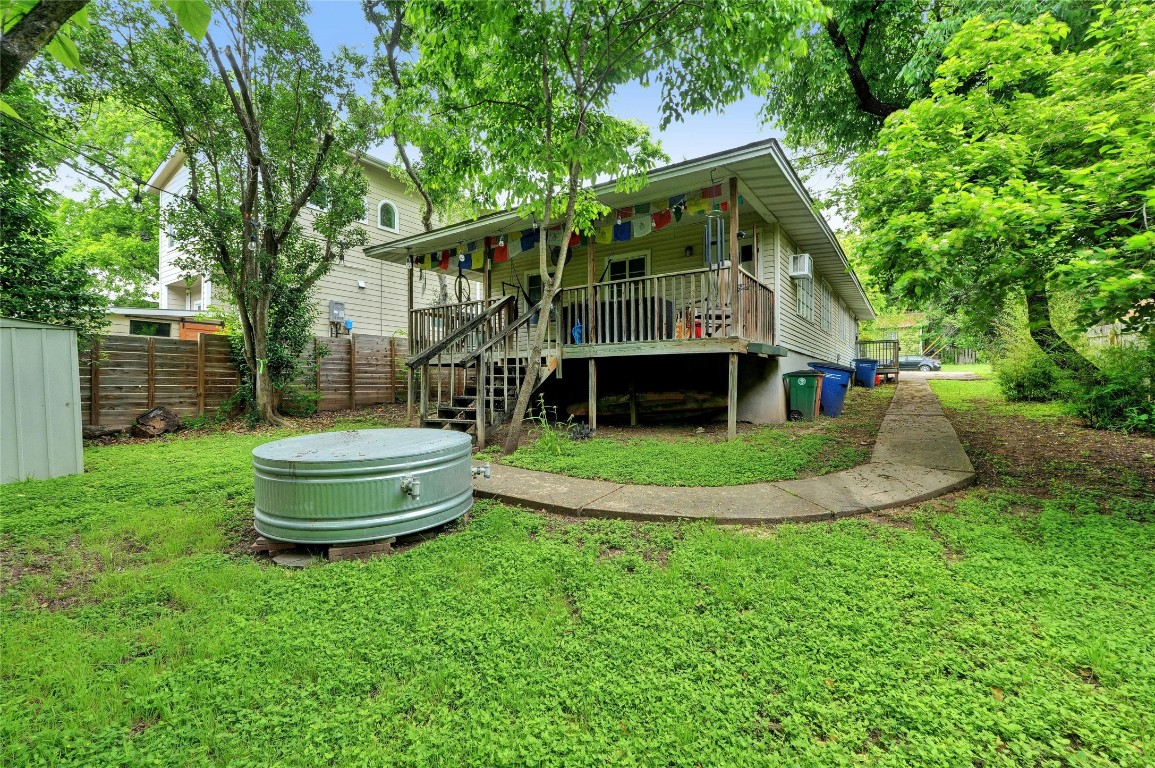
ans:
x=593 y=393
x=485 y=281
x=591 y=276
x=735 y=261
x=732 y=399
x=409 y=266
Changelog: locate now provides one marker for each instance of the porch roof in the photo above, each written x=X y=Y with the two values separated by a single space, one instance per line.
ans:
x=766 y=181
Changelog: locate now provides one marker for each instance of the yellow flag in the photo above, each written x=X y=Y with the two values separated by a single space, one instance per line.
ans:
x=605 y=235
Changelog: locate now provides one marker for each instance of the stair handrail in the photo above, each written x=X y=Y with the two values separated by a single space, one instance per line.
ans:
x=423 y=357
x=508 y=331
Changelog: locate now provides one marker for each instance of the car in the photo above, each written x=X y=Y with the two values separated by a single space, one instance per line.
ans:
x=918 y=363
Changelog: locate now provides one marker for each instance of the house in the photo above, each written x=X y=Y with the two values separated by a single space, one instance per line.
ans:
x=370 y=293
x=164 y=323
x=699 y=291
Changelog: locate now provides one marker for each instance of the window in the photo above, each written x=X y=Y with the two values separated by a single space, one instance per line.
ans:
x=534 y=288
x=626 y=267
x=149 y=328
x=387 y=216
x=804 y=292
x=826 y=298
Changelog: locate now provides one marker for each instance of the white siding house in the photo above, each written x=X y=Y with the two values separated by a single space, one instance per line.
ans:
x=373 y=291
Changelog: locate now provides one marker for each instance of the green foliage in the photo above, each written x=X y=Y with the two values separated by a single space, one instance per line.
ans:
x=267 y=125
x=1124 y=399
x=987 y=396
x=1011 y=631
x=1027 y=374
x=1028 y=163
x=114 y=229
x=36 y=281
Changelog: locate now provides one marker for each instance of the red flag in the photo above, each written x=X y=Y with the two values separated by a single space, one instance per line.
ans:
x=501 y=252
x=713 y=191
x=444 y=260
x=574 y=238
x=625 y=213
x=662 y=218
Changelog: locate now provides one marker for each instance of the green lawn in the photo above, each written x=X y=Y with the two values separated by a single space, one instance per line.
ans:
x=1003 y=630
x=763 y=454
x=980 y=369
x=986 y=395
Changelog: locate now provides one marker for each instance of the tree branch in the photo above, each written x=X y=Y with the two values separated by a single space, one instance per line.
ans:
x=31 y=33
x=867 y=101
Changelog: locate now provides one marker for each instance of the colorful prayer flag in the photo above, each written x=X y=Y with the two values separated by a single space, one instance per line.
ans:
x=677 y=200
x=662 y=219
x=699 y=206
x=643 y=225
x=604 y=235
x=641 y=208
x=530 y=238
x=625 y=213
x=500 y=253
x=659 y=205
x=623 y=231
x=714 y=191
x=444 y=262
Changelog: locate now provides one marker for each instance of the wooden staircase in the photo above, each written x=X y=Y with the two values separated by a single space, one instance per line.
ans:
x=469 y=379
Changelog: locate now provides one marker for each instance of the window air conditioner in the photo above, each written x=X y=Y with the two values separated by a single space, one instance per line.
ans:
x=801 y=267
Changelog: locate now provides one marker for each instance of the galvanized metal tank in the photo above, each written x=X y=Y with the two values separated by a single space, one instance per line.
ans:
x=361 y=485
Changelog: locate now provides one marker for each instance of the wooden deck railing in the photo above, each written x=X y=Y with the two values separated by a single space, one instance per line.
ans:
x=694 y=304
x=432 y=325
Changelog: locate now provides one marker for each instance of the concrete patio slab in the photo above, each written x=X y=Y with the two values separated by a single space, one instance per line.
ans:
x=922 y=441
x=740 y=504
x=917 y=456
x=876 y=486
x=541 y=490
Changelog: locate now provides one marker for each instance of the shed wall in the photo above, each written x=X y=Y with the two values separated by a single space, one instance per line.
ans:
x=40 y=436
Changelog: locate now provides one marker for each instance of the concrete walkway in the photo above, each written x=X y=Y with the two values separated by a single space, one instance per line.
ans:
x=917 y=456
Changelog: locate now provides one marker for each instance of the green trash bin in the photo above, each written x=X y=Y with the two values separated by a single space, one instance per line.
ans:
x=802 y=394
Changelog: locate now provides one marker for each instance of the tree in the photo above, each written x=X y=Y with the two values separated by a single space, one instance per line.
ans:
x=528 y=82
x=1028 y=164
x=35 y=282
x=858 y=63
x=267 y=126
x=113 y=224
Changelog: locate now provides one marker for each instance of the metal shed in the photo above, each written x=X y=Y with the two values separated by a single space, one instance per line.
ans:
x=40 y=434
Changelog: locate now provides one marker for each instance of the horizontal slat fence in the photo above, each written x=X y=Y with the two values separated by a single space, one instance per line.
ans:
x=123 y=376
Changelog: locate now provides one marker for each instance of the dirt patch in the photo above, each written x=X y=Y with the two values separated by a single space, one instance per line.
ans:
x=1046 y=458
x=388 y=415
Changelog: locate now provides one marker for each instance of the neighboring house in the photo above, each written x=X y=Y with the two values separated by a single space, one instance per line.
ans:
x=652 y=312
x=372 y=291
x=166 y=323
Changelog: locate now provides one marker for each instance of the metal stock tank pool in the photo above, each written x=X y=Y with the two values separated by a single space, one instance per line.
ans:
x=361 y=485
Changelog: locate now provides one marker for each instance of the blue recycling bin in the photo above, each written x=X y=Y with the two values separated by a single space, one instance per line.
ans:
x=834 y=385
x=865 y=369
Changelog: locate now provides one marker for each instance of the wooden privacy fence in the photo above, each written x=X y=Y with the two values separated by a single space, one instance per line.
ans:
x=123 y=376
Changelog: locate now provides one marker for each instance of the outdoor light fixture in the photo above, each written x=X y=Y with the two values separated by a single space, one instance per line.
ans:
x=689 y=251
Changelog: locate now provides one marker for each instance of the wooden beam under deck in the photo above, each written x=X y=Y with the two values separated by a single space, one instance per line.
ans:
x=670 y=347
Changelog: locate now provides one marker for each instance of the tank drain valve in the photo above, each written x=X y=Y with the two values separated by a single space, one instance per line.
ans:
x=411 y=486
x=482 y=470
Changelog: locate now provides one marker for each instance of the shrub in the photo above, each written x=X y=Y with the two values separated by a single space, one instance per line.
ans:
x=1124 y=398
x=1025 y=372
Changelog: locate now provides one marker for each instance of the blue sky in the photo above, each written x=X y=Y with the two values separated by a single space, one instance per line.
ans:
x=340 y=22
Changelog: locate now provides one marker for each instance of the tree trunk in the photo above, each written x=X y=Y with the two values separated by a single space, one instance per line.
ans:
x=1066 y=357
x=31 y=33
x=529 y=383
